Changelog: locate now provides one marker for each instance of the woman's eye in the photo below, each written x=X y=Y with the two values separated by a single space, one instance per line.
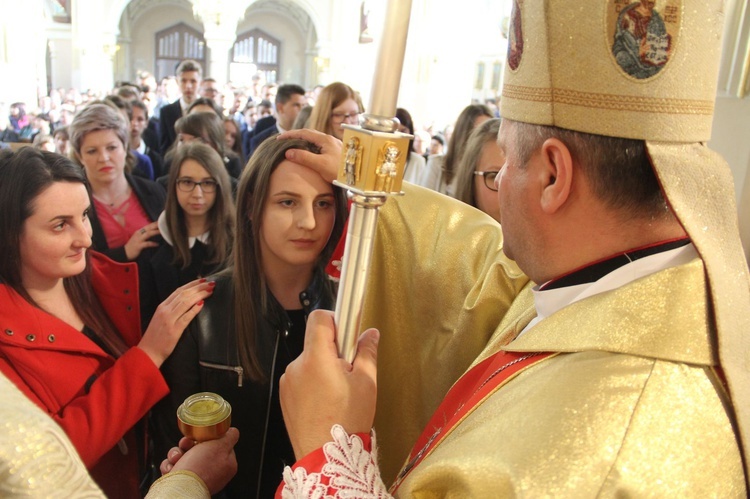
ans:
x=286 y=202
x=324 y=204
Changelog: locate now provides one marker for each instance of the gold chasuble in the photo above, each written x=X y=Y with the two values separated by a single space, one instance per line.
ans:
x=622 y=410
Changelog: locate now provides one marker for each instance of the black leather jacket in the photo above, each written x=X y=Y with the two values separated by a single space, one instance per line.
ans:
x=206 y=359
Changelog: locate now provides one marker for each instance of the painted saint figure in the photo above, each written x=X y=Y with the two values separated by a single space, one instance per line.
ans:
x=641 y=42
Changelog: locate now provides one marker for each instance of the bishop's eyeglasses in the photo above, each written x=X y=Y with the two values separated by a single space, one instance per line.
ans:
x=489 y=179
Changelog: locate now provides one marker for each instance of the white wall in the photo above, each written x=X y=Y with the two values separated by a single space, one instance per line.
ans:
x=730 y=137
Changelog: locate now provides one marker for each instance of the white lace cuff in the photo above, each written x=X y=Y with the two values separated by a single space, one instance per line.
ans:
x=350 y=470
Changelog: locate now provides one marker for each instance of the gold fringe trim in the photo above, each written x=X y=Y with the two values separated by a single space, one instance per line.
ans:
x=613 y=102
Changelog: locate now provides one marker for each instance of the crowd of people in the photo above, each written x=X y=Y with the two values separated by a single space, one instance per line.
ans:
x=170 y=201
x=567 y=326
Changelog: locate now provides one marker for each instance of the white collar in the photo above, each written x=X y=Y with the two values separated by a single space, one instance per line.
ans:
x=549 y=301
x=164 y=230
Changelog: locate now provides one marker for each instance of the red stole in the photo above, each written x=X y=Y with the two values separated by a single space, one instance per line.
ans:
x=465 y=396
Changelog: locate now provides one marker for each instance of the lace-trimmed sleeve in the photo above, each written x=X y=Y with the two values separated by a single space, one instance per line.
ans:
x=346 y=467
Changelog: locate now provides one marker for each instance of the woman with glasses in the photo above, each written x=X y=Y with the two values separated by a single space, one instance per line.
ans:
x=288 y=222
x=197 y=224
x=337 y=104
x=479 y=166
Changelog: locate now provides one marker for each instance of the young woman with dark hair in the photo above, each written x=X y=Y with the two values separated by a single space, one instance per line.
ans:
x=288 y=222
x=71 y=339
x=197 y=224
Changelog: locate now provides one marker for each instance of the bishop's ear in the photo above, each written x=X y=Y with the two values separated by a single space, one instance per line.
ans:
x=557 y=175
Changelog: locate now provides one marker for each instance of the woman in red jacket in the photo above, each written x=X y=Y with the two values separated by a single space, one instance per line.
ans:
x=69 y=325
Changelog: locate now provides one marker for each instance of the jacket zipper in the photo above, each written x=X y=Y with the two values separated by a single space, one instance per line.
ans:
x=237 y=369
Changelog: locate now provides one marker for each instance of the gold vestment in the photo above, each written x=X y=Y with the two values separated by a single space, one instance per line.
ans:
x=36 y=457
x=633 y=407
x=438 y=287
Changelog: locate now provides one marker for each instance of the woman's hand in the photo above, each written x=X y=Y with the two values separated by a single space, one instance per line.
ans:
x=140 y=240
x=172 y=317
x=326 y=163
x=213 y=461
x=319 y=389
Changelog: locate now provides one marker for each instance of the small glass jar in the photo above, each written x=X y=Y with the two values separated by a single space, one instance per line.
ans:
x=204 y=416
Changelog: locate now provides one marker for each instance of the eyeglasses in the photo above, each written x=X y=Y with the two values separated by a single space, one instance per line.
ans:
x=344 y=116
x=187 y=185
x=489 y=179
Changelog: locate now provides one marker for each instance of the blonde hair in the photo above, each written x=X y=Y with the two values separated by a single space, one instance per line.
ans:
x=93 y=118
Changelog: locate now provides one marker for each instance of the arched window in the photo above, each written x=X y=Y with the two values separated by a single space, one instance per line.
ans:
x=255 y=48
x=176 y=44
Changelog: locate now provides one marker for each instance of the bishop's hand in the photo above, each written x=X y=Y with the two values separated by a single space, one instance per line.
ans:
x=319 y=389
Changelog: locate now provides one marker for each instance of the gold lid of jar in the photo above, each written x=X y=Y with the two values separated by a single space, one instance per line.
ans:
x=204 y=416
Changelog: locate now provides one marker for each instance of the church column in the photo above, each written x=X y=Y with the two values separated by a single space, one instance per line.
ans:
x=93 y=48
x=322 y=63
x=218 y=53
x=124 y=67
x=220 y=18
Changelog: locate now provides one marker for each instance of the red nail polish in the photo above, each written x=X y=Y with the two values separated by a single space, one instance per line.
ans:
x=203 y=279
x=200 y=303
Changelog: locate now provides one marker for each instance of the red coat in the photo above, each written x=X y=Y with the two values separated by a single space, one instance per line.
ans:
x=95 y=399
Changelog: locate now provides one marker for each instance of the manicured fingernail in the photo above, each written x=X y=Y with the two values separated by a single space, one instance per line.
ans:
x=203 y=279
x=200 y=303
x=212 y=284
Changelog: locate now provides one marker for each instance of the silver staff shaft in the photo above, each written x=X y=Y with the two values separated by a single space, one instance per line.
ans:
x=363 y=221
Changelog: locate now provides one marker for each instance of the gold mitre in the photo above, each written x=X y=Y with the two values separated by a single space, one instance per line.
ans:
x=646 y=70
x=604 y=67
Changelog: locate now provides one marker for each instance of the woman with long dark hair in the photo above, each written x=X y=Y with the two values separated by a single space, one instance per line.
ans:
x=288 y=222
x=197 y=224
x=71 y=338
